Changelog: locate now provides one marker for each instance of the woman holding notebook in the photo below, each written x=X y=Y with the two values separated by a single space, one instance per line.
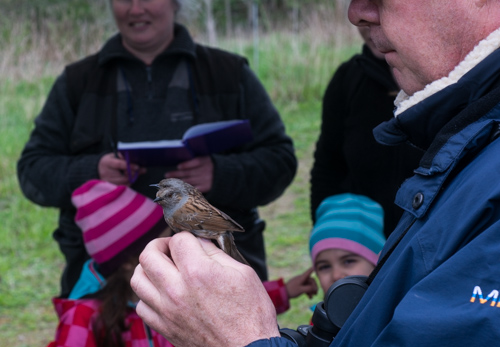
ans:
x=151 y=82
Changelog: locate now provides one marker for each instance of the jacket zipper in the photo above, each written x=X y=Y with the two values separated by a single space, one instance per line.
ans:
x=150 y=82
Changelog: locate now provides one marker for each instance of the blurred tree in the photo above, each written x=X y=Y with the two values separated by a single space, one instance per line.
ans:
x=229 y=20
x=210 y=22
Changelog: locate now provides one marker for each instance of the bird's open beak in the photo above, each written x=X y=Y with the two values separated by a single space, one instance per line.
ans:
x=157 y=186
x=157 y=199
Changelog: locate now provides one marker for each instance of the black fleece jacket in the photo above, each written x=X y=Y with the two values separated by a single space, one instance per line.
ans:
x=359 y=97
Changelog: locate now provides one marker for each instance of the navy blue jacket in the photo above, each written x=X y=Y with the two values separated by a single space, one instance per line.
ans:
x=440 y=285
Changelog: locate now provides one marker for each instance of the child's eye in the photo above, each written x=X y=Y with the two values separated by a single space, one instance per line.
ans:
x=350 y=261
x=323 y=267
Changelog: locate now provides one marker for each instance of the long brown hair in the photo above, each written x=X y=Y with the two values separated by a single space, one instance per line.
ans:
x=114 y=298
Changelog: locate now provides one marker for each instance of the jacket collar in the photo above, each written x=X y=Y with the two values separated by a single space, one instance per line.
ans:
x=420 y=117
x=90 y=281
x=455 y=145
x=482 y=50
x=449 y=123
x=182 y=44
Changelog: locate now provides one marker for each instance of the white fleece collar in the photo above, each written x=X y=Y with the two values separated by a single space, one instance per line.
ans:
x=481 y=51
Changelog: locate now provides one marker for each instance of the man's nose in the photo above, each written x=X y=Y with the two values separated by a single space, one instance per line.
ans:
x=363 y=13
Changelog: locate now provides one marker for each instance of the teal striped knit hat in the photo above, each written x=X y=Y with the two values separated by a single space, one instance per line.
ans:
x=354 y=223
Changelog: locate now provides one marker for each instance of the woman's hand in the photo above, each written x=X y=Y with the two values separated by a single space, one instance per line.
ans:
x=114 y=170
x=198 y=172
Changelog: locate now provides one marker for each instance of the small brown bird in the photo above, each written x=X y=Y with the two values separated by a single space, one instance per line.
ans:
x=185 y=208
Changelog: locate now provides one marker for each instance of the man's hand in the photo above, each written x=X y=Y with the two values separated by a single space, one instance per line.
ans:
x=198 y=172
x=302 y=284
x=196 y=295
x=114 y=170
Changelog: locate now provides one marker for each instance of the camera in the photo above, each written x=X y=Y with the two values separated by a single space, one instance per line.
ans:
x=330 y=314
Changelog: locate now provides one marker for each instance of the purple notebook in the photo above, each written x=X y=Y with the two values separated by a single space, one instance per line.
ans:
x=198 y=140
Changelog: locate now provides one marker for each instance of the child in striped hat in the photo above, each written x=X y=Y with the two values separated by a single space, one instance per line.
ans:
x=117 y=223
x=347 y=237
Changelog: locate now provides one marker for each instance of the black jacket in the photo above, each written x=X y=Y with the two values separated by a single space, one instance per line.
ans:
x=359 y=97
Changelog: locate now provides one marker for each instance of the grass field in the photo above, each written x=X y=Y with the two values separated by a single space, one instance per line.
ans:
x=294 y=69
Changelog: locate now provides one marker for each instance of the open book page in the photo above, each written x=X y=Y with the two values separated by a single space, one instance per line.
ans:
x=217 y=137
x=205 y=128
x=155 y=153
x=199 y=140
x=150 y=144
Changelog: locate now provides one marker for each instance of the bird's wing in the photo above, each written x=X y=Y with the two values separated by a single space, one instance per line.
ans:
x=228 y=223
x=207 y=217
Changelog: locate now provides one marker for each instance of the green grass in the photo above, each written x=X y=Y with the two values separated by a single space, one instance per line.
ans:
x=294 y=70
x=30 y=262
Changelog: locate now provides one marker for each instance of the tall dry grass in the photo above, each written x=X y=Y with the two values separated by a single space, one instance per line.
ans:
x=39 y=42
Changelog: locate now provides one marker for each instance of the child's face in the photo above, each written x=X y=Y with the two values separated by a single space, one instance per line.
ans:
x=333 y=264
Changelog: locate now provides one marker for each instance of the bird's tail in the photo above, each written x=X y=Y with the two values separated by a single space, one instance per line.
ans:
x=231 y=249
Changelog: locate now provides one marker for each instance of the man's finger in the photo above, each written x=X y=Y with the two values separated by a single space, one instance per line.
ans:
x=217 y=254
x=148 y=315
x=185 y=247
x=156 y=263
x=156 y=248
x=143 y=287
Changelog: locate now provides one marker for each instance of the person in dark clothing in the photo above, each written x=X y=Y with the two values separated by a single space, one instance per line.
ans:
x=152 y=82
x=347 y=158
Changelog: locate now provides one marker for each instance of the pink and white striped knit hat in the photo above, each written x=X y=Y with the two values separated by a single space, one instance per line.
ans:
x=116 y=221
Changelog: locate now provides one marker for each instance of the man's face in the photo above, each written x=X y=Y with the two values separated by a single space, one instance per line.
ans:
x=423 y=40
x=365 y=34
